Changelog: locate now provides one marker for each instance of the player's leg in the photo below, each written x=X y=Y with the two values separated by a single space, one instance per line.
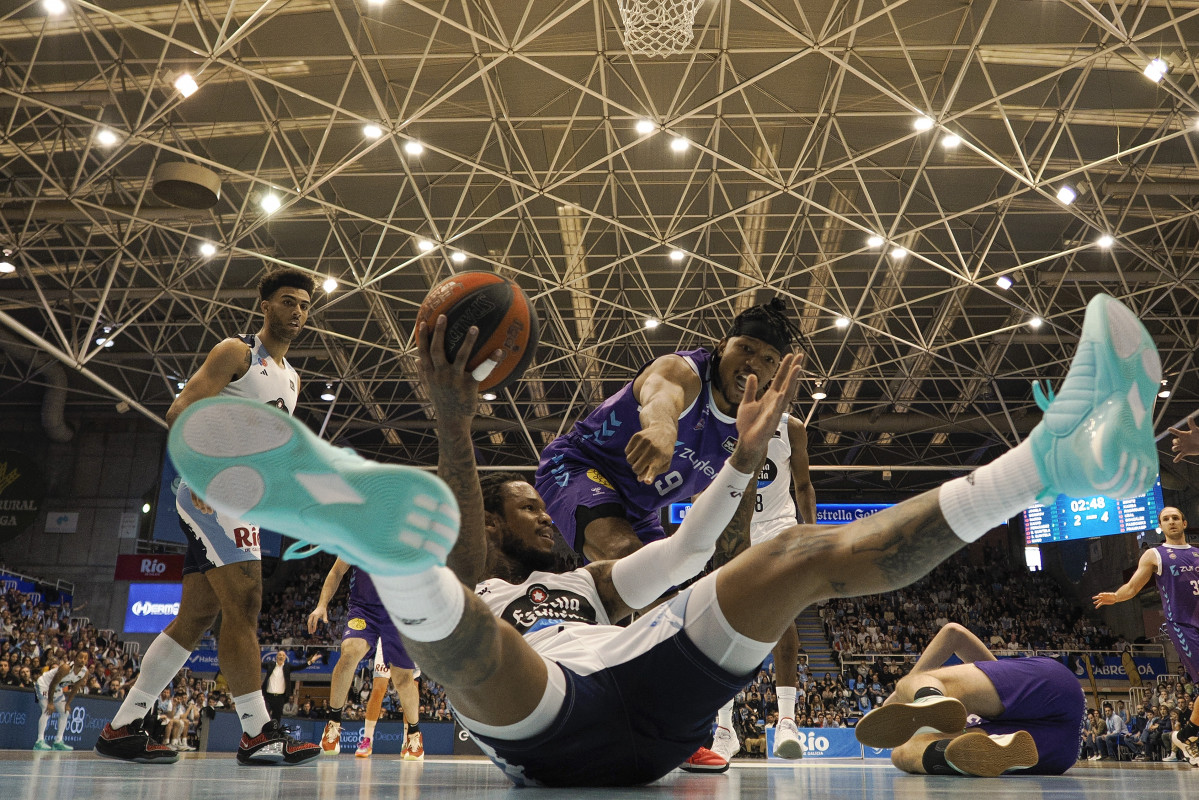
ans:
x=374 y=710
x=939 y=699
x=353 y=650
x=404 y=681
x=786 y=658
x=585 y=507
x=46 y=708
x=1186 y=645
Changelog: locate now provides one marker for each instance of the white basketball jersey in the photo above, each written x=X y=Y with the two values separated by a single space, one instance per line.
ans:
x=72 y=677
x=265 y=381
x=545 y=600
x=775 y=507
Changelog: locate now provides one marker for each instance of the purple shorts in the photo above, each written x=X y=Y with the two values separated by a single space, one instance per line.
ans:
x=572 y=505
x=371 y=623
x=1186 y=644
x=1041 y=696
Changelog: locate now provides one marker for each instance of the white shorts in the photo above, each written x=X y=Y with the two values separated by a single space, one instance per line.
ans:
x=216 y=539
x=765 y=531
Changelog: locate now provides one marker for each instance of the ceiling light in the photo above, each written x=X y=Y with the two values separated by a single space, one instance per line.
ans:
x=1105 y=241
x=329 y=285
x=679 y=144
x=1003 y=282
x=372 y=131
x=270 y=204
x=107 y=137
x=146 y=506
x=923 y=122
x=898 y=252
x=819 y=394
x=1035 y=322
x=54 y=6
x=489 y=395
x=458 y=257
x=7 y=267
x=842 y=322
x=1164 y=393
x=652 y=322
x=186 y=84
x=677 y=255
x=875 y=241
x=1067 y=194
x=413 y=148
x=100 y=340
x=950 y=141
x=207 y=249
x=1156 y=69
x=328 y=395
x=644 y=126
x=180 y=384
x=425 y=245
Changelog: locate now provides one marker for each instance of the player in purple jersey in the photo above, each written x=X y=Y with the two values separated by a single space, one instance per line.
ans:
x=1176 y=565
x=661 y=439
x=367 y=625
x=1018 y=715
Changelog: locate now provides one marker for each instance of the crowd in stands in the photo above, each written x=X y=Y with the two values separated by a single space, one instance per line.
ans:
x=1112 y=733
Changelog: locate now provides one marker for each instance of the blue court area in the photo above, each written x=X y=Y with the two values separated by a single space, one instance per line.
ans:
x=36 y=776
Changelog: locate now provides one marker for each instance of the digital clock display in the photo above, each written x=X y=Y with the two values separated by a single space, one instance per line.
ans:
x=1087 y=517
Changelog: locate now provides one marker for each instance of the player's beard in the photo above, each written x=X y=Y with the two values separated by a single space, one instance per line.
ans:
x=535 y=559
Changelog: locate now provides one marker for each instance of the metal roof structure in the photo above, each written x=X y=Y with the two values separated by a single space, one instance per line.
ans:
x=878 y=165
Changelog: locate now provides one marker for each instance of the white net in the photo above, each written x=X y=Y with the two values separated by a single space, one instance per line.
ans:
x=658 y=27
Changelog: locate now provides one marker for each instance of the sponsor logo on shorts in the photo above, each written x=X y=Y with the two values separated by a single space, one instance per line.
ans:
x=594 y=476
x=357 y=623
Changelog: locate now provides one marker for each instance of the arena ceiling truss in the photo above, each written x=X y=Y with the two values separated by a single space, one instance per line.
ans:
x=506 y=138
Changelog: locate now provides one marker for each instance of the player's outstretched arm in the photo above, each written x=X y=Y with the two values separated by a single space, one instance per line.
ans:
x=952 y=640
x=663 y=390
x=1146 y=568
x=1186 y=442
x=455 y=398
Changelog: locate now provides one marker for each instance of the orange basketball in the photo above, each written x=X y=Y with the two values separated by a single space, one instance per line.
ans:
x=500 y=310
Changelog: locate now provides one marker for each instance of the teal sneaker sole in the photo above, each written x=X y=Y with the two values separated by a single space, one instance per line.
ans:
x=1097 y=434
x=257 y=464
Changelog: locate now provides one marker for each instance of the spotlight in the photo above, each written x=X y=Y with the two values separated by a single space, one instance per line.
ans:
x=100 y=340
x=329 y=285
x=270 y=204
x=458 y=257
x=1156 y=69
x=652 y=322
x=54 y=6
x=1164 y=393
x=145 y=508
x=489 y=396
x=875 y=241
x=677 y=255
x=372 y=131
x=7 y=267
x=842 y=322
x=1105 y=241
x=106 y=137
x=1067 y=194
x=898 y=252
x=180 y=384
x=679 y=144
x=1035 y=322
x=644 y=126
x=208 y=249
x=950 y=141
x=1003 y=282
x=328 y=395
x=413 y=147
x=819 y=394
x=922 y=122
x=425 y=245
x=186 y=84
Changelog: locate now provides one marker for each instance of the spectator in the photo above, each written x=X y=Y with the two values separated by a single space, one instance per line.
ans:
x=1115 y=729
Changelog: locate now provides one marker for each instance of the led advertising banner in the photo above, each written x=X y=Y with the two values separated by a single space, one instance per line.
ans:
x=151 y=606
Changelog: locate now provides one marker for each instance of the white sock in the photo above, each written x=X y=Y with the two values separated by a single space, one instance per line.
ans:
x=724 y=717
x=991 y=494
x=251 y=709
x=786 y=695
x=41 y=726
x=370 y=729
x=162 y=661
x=426 y=606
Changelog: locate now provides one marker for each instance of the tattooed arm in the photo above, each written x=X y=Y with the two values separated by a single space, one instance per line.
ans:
x=735 y=536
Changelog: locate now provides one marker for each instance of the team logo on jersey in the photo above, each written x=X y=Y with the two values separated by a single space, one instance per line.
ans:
x=278 y=402
x=262 y=362
x=730 y=444
x=538 y=594
x=769 y=472
x=291 y=384
x=595 y=477
x=357 y=623
x=1172 y=554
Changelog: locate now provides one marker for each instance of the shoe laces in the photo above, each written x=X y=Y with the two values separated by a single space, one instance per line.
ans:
x=1043 y=396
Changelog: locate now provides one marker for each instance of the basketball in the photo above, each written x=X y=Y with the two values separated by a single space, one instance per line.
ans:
x=500 y=310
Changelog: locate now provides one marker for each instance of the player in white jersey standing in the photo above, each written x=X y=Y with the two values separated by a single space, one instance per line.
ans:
x=786 y=468
x=222 y=571
x=54 y=691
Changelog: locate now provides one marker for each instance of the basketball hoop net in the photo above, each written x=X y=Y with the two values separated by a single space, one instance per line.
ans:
x=658 y=27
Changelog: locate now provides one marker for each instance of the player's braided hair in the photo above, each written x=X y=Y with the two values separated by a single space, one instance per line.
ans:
x=274 y=281
x=768 y=322
x=492 y=484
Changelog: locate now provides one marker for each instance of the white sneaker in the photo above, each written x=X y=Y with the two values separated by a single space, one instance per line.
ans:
x=1189 y=748
x=1173 y=759
x=725 y=743
x=786 y=739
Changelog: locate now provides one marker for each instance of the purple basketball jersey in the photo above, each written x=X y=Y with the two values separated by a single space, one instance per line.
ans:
x=1178 y=584
x=706 y=437
x=362 y=590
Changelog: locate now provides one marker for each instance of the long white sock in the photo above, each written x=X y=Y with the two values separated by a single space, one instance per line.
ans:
x=62 y=725
x=724 y=717
x=991 y=494
x=369 y=725
x=41 y=725
x=786 y=695
x=251 y=710
x=162 y=661
x=426 y=606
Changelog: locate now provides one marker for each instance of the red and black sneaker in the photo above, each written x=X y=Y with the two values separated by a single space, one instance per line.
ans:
x=132 y=743
x=704 y=760
x=272 y=746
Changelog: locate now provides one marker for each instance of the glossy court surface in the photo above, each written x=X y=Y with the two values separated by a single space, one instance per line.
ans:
x=42 y=776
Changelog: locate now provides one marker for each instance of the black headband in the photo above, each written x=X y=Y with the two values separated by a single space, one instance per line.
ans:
x=761 y=329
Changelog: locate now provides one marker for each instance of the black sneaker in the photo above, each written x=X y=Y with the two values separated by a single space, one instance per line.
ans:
x=274 y=746
x=132 y=743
